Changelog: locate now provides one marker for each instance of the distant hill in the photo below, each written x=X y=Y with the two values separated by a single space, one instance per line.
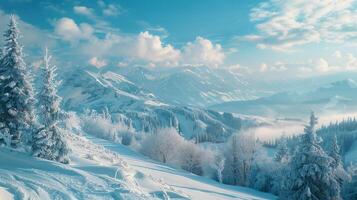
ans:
x=336 y=97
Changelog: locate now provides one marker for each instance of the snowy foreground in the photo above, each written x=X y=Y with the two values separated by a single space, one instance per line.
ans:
x=103 y=170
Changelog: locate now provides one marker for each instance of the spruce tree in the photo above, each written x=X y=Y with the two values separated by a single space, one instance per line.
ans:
x=282 y=155
x=16 y=100
x=49 y=142
x=311 y=176
x=335 y=152
x=340 y=174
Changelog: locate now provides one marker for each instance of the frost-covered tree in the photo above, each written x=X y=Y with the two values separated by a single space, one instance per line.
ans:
x=240 y=153
x=163 y=145
x=349 y=190
x=16 y=93
x=335 y=152
x=49 y=142
x=282 y=155
x=219 y=166
x=191 y=158
x=340 y=174
x=311 y=175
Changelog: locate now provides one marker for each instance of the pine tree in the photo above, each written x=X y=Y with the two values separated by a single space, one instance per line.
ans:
x=282 y=155
x=49 y=141
x=17 y=119
x=335 y=152
x=311 y=176
x=340 y=174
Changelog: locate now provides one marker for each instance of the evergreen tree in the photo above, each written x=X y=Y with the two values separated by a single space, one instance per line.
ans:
x=335 y=152
x=340 y=174
x=311 y=176
x=49 y=142
x=282 y=155
x=350 y=191
x=16 y=100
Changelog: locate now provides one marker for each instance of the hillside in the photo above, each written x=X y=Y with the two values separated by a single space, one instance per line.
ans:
x=86 y=90
x=104 y=170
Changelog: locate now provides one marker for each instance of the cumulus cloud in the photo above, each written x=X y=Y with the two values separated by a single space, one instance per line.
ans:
x=202 y=52
x=143 y=48
x=82 y=10
x=149 y=47
x=68 y=30
x=96 y=62
x=285 y=24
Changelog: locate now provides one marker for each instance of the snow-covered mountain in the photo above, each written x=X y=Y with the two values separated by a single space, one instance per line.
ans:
x=335 y=97
x=140 y=108
x=195 y=86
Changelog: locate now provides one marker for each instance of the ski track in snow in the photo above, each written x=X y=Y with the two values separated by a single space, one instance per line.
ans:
x=101 y=169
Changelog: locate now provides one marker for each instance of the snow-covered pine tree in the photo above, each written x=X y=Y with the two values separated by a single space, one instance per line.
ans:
x=16 y=100
x=282 y=155
x=340 y=174
x=335 y=152
x=311 y=176
x=49 y=142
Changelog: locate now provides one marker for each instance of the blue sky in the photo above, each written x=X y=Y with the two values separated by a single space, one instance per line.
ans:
x=270 y=38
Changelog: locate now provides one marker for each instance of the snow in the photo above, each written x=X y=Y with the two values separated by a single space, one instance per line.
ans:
x=100 y=169
x=195 y=187
x=5 y=195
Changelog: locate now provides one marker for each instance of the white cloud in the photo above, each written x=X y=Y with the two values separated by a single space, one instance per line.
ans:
x=285 y=24
x=110 y=9
x=150 y=48
x=263 y=67
x=68 y=30
x=351 y=62
x=337 y=54
x=82 y=10
x=144 y=48
x=321 y=65
x=275 y=67
x=96 y=62
x=202 y=52
x=252 y=37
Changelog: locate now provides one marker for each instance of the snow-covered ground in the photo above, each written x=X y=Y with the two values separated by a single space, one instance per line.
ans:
x=101 y=169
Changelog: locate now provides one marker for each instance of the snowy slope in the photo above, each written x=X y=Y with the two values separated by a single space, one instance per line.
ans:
x=111 y=171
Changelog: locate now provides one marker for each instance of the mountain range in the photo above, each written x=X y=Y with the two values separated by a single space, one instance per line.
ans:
x=336 y=97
